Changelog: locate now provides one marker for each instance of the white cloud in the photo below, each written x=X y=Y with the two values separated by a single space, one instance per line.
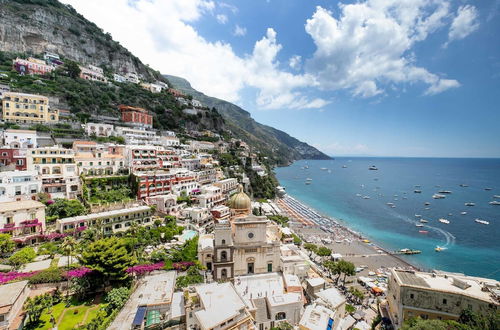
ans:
x=239 y=31
x=295 y=62
x=369 y=45
x=464 y=23
x=221 y=18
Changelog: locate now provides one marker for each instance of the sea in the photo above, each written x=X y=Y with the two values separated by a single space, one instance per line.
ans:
x=345 y=189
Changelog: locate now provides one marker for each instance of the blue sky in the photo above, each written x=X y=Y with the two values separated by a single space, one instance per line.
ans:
x=373 y=77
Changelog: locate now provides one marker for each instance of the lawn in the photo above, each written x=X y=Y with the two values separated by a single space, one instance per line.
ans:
x=67 y=318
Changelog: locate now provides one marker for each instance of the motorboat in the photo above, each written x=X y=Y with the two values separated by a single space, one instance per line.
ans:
x=366 y=197
x=419 y=225
x=417 y=191
x=389 y=204
x=438 y=196
x=308 y=182
x=483 y=222
x=488 y=189
x=418 y=215
x=373 y=168
x=470 y=204
x=445 y=191
x=495 y=203
x=427 y=203
x=463 y=185
x=323 y=168
x=438 y=249
x=463 y=213
x=496 y=196
x=344 y=166
x=444 y=221
x=423 y=231
x=424 y=221
x=359 y=195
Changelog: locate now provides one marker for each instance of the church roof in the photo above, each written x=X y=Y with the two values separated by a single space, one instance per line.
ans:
x=240 y=200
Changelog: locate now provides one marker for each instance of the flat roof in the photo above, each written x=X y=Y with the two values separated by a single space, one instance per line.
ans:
x=315 y=281
x=205 y=241
x=177 y=308
x=444 y=282
x=157 y=289
x=20 y=205
x=291 y=280
x=212 y=297
x=331 y=296
x=11 y=291
x=103 y=214
x=315 y=317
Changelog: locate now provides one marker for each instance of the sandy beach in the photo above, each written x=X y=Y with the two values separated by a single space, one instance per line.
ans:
x=315 y=228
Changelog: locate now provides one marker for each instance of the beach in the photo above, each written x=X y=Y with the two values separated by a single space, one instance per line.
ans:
x=316 y=228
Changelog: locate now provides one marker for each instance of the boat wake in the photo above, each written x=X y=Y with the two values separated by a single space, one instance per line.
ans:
x=449 y=238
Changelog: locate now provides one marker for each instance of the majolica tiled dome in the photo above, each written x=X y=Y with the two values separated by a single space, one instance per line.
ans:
x=240 y=201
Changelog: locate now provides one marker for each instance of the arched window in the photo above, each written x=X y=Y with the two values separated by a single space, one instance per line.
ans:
x=223 y=273
x=280 y=316
x=223 y=256
x=223 y=242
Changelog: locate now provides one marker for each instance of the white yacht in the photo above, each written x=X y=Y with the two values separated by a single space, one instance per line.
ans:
x=444 y=221
x=438 y=196
x=495 y=203
x=470 y=204
x=463 y=213
x=483 y=222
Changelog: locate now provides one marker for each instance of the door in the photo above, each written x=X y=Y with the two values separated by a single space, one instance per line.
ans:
x=250 y=268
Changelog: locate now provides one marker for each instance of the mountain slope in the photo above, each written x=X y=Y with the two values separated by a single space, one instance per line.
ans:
x=244 y=126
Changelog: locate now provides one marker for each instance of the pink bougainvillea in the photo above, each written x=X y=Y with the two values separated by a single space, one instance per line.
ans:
x=78 y=272
x=11 y=276
x=143 y=269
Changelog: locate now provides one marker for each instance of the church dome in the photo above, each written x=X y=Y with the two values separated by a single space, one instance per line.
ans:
x=240 y=200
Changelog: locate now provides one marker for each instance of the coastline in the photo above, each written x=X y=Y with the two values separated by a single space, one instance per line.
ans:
x=312 y=226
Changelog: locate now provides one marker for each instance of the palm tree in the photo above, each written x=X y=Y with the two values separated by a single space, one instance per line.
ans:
x=68 y=245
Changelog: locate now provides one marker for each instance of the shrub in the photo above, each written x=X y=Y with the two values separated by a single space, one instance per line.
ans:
x=51 y=275
x=22 y=256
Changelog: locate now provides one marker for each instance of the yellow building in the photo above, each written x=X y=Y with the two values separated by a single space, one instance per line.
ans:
x=27 y=108
x=438 y=295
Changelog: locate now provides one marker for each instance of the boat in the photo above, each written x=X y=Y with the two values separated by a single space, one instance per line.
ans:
x=359 y=195
x=488 y=189
x=427 y=203
x=438 y=196
x=323 y=168
x=495 y=203
x=373 y=168
x=390 y=204
x=306 y=167
x=423 y=231
x=418 y=215
x=438 y=249
x=444 y=221
x=483 y=222
x=463 y=213
x=496 y=196
x=409 y=251
x=427 y=208
x=366 y=197
x=416 y=191
x=419 y=225
x=450 y=214
x=423 y=221
x=463 y=185
x=445 y=191
x=393 y=206
x=470 y=204
x=344 y=166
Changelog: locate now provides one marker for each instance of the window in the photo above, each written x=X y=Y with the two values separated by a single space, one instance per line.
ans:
x=412 y=296
x=223 y=242
x=223 y=256
x=270 y=267
x=280 y=316
x=445 y=301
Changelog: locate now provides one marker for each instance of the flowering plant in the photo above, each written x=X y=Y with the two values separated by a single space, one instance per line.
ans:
x=78 y=272
x=182 y=265
x=145 y=268
x=11 y=276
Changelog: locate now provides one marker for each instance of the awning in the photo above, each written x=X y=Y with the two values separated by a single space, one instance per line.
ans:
x=139 y=316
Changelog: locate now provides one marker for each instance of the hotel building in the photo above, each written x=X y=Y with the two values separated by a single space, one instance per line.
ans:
x=136 y=116
x=19 y=185
x=23 y=220
x=27 y=108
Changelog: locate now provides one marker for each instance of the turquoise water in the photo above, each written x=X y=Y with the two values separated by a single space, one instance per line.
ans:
x=470 y=247
x=188 y=234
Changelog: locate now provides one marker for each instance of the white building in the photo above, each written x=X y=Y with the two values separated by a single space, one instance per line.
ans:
x=19 y=185
x=13 y=297
x=137 y=136
x=197 y=215
x=332 y=299
x=98 y=129
x=196 y=103
x=216 y=306
x=266 y=296
x=317 y=317
x=228 y=186
x=23 y=220
x=170 y=141
x=210 y=197
x=132 y=77
x=119 y=78
x=92 y=72
x=108 y=222
x=165 y=203
x=19 y=138
x=293 y=262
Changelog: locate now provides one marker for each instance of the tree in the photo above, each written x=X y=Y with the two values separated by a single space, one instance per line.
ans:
x=22 y=256
x=350 y=309
x=420 y=324
x=347 y=268
x=296 y=239
x=6 y=244
x=64 y=208
x=35 y=306
x=312 y=248
x=331 y=267
x=117 y=297
x=108 y=256
x=72 y=68
x=323 y=251
x=357 y=294
x=68 y=245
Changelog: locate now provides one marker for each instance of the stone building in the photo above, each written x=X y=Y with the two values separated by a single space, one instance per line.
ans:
x=438 y=295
